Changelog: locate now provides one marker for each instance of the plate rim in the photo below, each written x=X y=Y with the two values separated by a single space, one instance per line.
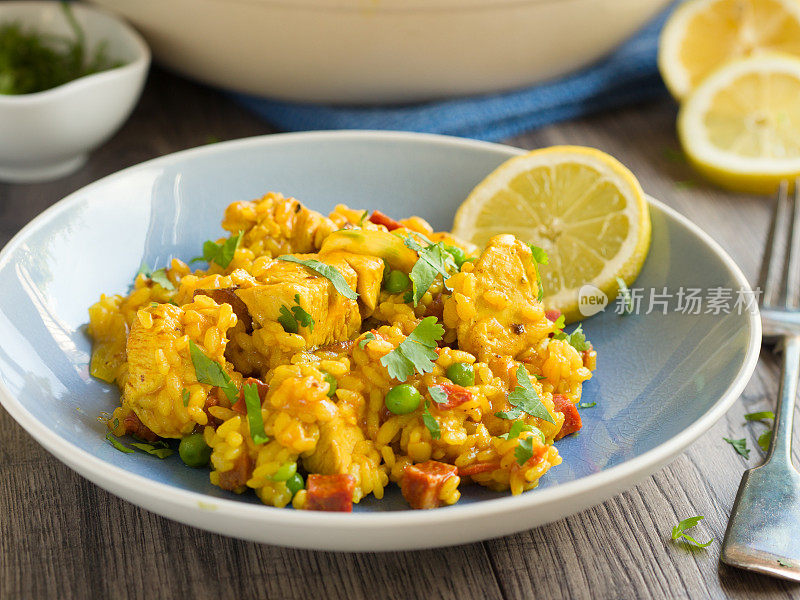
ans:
x=123 y=483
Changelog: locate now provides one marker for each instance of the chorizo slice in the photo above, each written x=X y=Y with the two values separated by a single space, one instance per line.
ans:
x=423 y=482
x=330 y=492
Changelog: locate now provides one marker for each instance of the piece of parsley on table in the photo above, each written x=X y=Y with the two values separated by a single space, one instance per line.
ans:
x=740 y=446
x=223 y=253
x=416 y=352
x=329 y=272
x=524 y=399
x=679 y=532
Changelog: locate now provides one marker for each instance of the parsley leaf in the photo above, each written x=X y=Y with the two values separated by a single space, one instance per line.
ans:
x=576 y=339
x=363 y=218
x=517 y=427
x=525 y=399
x=587 y=404
x=627 y=300
x=764 y=440
x=223 y=253
x=253 y=403
x=524 y=451
x=540 y=258
x=162 y=451
x=432 y=260
x=415 y=352
x=430 y=422
x=740 y=446
x=678 y=531
x=117 y=444
x=210 y=372
x=368 y=337
x=438 y=394
x=297 y=317
x=185 y=395
x=540 y=377
x=784 y=563
x=559 y=322
x=327 y=271
x=760 y=416
x=158 y=276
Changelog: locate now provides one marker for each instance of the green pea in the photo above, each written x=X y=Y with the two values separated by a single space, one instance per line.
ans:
x=457 y=253
x=194 y=451
x=331 y=383
x=402 y=399
x=295 y=483
x=461 y=374
x=284 y=472
x=397 y=282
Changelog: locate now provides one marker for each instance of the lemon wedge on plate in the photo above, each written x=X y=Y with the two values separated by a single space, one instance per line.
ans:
x=582 y=206
x=702 y=35
x=741 y=127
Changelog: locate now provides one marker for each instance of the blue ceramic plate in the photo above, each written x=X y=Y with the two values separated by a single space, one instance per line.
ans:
x=662 y=379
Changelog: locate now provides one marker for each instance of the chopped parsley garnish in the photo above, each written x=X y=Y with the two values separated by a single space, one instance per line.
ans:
x=117 y=444
x=517 y=427
x=524 y=399
x=116 y=422
x=678 y=532
x=576 y=339
x=296 y=317
x=438 y=395
x=253 y=403
x=784 y=563
x=540 y=258
x=559 y=323
x=760 y=416
x=327 y=271
x=430 y=422
x=416 y=352
x=158 y=276
x=159 y=449
x=587 y=404
x=368 y=337
x=740 y=446
x=524 y=451
x=540 y=377
x=363 y=218
x=625 y=293
x=764 y=439
x=185 y=395
x=223 y=253
x=433 y=260
x=210 y=372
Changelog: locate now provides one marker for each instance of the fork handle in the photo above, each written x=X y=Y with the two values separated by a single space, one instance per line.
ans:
x=780 y=449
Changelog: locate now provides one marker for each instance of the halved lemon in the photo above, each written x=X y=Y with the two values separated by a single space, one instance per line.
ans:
x=582 y=206
x=702 y=35
x=741 y=127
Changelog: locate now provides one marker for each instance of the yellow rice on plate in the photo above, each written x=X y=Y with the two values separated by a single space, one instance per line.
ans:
x=186 y=347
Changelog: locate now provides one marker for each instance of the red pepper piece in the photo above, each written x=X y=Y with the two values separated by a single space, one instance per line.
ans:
x=330 y=492
x=572 y=419
x=379 y=218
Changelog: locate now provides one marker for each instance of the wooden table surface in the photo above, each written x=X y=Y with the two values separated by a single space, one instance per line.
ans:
x=62 y=536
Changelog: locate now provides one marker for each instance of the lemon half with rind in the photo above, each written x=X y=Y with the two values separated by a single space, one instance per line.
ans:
x=741 y=127
x=702 y=35
x=582 y=206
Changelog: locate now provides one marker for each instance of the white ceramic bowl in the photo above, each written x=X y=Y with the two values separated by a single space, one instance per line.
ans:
x=380 y=51
x=49 y=134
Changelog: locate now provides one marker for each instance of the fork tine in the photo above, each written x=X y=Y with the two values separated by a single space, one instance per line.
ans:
x=767 y=274
x=793 y=251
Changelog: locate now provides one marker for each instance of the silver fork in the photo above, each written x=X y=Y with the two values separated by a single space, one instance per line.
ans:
x=764 y=529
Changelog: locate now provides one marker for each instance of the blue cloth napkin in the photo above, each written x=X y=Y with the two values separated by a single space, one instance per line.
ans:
x=629 y=75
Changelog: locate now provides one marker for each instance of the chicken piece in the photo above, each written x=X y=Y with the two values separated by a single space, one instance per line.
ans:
x=288 y=284
x=334 y=451
x=162 y=386
x=369 y=273
x=494 y=306
x=422 y=483
x=330 y=492
x=275 y=225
